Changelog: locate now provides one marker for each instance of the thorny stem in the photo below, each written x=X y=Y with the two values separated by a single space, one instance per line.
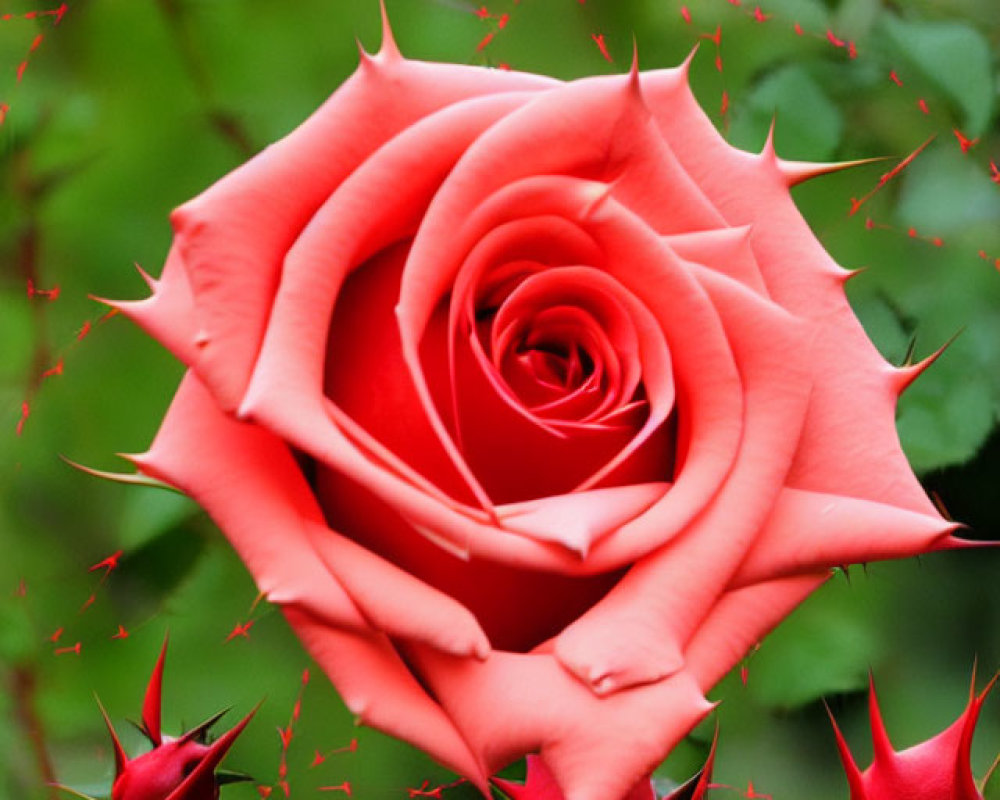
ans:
x=29 y=193
x=23 y=685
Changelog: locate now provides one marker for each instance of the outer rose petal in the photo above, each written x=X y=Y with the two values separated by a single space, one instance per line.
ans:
x=168 y=314
x=380 y=689
x=521 y=703
x=851 y=454
x=638 y=631
x=222 y=463
x=234 y=236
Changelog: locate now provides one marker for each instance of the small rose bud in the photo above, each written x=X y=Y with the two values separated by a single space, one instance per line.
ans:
x=177 y=768
x=932 y=770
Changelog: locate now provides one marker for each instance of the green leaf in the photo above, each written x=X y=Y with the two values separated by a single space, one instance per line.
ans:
x=941 y=425
x=956 y=58
x=823 y=648
x=808 y=125
x=944 y=191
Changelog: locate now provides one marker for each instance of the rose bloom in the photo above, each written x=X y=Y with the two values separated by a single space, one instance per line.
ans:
x=533 y=404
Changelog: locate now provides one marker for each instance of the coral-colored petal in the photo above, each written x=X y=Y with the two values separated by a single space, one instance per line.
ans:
x=168 y=314
x=517 y=703
x=234 y=236
x=637 y=633
x=851 y=454
x=809 y=530
x=282 y=537
x=579 y=519
x=739 y=620
x=381 y=691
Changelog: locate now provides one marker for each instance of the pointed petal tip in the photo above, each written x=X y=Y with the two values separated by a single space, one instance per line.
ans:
x=388 y=49
x=881 y=744
x=149 y=280
x=684 y=68
x=121 y=759
x=633 y=72
x=153 y=700
x=767 y=152
x=203 y=727
x=905 y=375
x=846 y=275
x=364 y=57
x=104 y=301
x=797 y=172
x=846 y=757
x=118 y=477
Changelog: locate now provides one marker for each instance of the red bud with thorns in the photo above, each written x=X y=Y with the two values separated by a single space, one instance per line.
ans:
x=177 y=768
x=937 y=769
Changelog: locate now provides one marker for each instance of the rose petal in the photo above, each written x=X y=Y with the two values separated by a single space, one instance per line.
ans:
x=726 y=250
x=168 y=313
x=741 y=619
x=195 y=440
x=234 y=236
x=289 y=371
x=810 y=530
x=281 y=536
x=579 y=519
x=856 y=454
x=516 y=607
x=519 y=703
x=378 y=687
x=636 y=634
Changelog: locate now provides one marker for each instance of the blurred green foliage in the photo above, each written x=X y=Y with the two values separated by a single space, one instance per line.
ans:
x=124 y=110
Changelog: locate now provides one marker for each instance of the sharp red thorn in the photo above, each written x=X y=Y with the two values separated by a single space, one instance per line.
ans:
x=602 y=46
x=484 y=42
x=109 y=563
x=57 y=369
x=833 y=39
x=388 y=48
x=686 y=14
x=240 y=630
x=25 y=412
x=152 y=701
x=965 y=143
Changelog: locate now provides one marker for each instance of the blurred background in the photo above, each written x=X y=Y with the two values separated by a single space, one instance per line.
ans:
x=114 y=112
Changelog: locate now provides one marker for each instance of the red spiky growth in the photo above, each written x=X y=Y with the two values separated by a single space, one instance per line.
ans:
x=540 y=785
x=697 y=787
x=937 y=769
x=181 y=768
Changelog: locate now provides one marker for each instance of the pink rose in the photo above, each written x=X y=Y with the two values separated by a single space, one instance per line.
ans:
x=533 y=404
